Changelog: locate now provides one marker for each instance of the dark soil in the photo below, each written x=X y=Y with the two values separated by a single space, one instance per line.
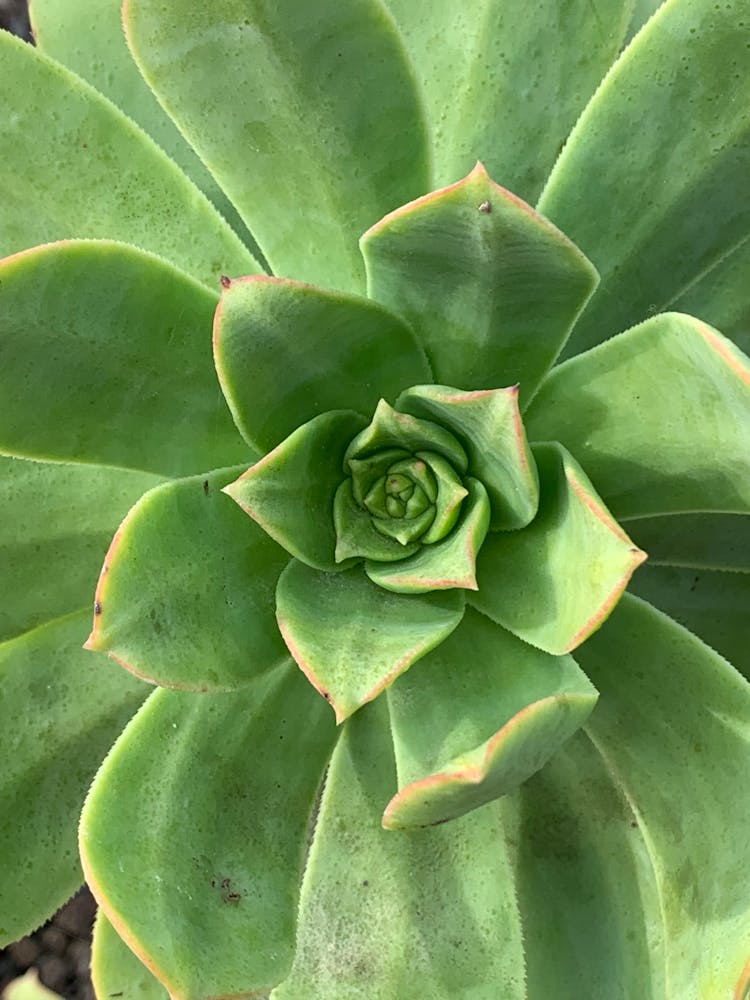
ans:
x=60 y=951
x=14 y=17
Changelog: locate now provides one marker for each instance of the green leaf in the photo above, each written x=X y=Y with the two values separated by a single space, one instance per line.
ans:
x=589 y=904
x=57 y=33
x=477 y=717
x=87 y=170
x=356 y=534
x=386 y=915
x=673 y=722
x=308 y=163
x=642 y=11
x=55 y=525
x=351 y=638
x=446 y=564
x=489 y=423
x=290 y=492
x=61 y=709
x=644 y=412
x=186 y=861
x=714 y=605
x=553 y=583
x=720 y=296
x=116 y=970
x=391 y=429
x=703 y=541
x=99 y=340
x=490 y=288
x=505 y=82
x=286 y=352
x=654 y=181
x=186 y=595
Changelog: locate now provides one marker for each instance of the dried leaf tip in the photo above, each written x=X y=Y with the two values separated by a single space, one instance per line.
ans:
x=225 y=281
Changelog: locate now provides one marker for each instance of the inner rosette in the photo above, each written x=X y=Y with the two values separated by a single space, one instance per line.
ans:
x=403 y=488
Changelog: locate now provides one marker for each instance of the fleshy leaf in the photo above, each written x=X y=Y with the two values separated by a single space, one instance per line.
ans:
x=643 y=413
x=720 y=296
x=429 y=914
x=553 y=583
x=290 y=492
x=181 y=894
x=490 y=288
x=286 y=352
x=703 y=541
x=446 y=564
x=57 y=25
x=57 y=521
x=89 y=171
x=116 y=970
x=391 y=429
x=674 y=715
x=186 y=595
x=712 y=604
x=477 y=717
x=589 y=905
x=653 y=181
x=309 y=163
x=351 y=638
x=60 y=711
x=97 y=342
x=503 y=82
x=489 y=424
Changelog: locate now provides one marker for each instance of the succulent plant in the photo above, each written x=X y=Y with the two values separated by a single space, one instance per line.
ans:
x=422 y=726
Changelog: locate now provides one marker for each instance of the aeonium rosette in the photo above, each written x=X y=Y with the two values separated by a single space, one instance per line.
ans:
x=423 y=525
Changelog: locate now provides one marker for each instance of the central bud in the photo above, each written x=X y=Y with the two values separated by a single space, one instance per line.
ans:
x=402 y=489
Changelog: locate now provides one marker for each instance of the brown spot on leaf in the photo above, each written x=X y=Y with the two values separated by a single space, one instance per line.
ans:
x=97 y=607
x=225 y=281
x=485 y=208
x=205 y=486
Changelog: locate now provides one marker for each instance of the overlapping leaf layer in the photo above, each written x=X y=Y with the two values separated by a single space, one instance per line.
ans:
x=527 y=782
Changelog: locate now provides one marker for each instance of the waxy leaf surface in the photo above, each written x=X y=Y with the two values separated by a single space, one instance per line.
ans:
x=352 y=638
x=88 y=171
x=309 y=163
x=60 y=711
x=489 y=424
x=385 y=915
x=182 y=894
x=654 y=182
x=589 y=905
x=57 y=521
x=720 y=296
x=57 y=27
x=490 y=288
x=501 y=82
x=703 y=541
x=477 y=717
x=714 y=605
x=186 y=595
x=286 y=352
x=672 y=714
x=290 y=492
x=116 y=970
x=99 y=341
x=659 y=417
x=555 y=582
